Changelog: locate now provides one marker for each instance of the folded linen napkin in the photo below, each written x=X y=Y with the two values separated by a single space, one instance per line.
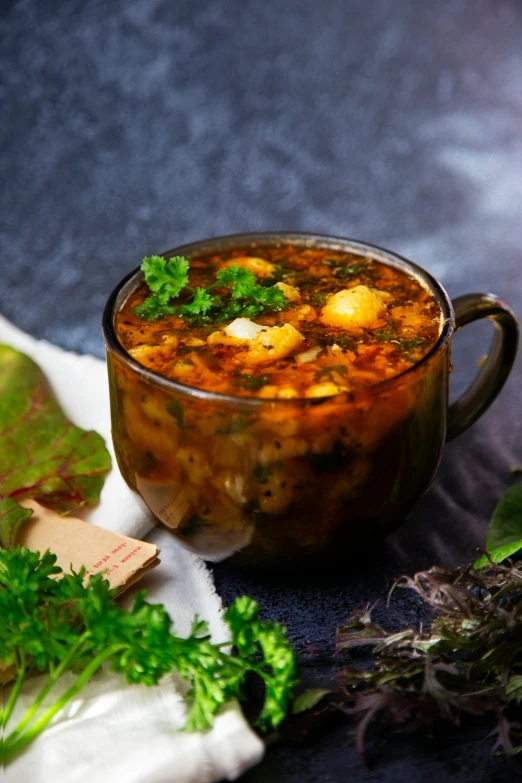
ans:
x=114 y=731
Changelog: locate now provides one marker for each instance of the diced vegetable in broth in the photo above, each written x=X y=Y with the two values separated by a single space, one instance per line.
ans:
x=374 y=320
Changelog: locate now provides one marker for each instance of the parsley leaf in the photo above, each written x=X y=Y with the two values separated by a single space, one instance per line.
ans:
x=200 y=304
x=151 y=309
x=269 y=298
x=76 y=626
x=318 y=298
x=167 y=279
x=350 y=270
x=243 y=281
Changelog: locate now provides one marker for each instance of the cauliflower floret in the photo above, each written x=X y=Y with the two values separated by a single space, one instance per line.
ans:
x=236 y=333
x=272 y=344
x=309 y=355
x=244 y=329
x=147 y=354
x=265 y=343
x=353 y=307
x=290 y=292
x=258 y=266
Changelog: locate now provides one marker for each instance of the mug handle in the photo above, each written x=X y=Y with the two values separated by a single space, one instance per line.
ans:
x=493 y=375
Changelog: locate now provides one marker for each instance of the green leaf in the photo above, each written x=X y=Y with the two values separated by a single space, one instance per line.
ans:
x=383 y=336
x=43 y=455
x=151 y=309
x=308 y=699
x=514 y=688
x=350 y=270
x=165 y=278
x=200 y=304
x=243 y=281
x=269 y=298
x=72 y=624
x=11 y=517
x=499 y=554
x=506 y=523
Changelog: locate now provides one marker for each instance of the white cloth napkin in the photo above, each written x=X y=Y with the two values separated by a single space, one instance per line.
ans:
x=113 y=731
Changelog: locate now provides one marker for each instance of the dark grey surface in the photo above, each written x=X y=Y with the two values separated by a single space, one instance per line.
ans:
x=132 y=126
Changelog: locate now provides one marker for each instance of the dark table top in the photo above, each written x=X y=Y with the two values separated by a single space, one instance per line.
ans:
x=132 y=126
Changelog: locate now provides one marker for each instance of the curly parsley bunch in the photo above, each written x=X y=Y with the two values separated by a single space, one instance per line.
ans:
x=54 y=622
x=167 y=279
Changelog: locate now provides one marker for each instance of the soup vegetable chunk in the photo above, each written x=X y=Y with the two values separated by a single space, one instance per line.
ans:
x=289 y=323
x=304 y=443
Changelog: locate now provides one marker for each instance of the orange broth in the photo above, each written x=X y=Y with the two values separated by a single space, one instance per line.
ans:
x=384 y=325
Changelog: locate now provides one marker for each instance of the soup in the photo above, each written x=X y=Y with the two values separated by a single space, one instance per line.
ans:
x=307 y=443
x=345 y=323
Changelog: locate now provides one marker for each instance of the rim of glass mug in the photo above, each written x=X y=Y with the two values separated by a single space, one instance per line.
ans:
x=258 y=239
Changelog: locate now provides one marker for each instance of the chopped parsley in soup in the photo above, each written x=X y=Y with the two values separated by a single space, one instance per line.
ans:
x=280 y=322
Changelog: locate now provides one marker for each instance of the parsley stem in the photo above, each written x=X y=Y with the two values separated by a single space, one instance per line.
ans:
x=39 y=725
x=15 y=690
x=51 y=680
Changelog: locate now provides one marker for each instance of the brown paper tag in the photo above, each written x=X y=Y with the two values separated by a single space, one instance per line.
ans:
x=77 y=543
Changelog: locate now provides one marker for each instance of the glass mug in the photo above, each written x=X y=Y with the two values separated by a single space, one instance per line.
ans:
x=350 y=466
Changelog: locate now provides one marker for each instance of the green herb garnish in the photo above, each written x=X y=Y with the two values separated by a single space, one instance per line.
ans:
x=350 y=270
x=68 y=626
x=167 y=279
x=318 y=298
x=409 y=343
x=277 y=276
x=250 y=382
x=383 y=336
x=403 y=344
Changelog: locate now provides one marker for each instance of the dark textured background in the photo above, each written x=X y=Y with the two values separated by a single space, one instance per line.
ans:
x=130 y=126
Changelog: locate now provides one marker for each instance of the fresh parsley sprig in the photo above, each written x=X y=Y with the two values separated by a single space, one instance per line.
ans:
x=168 y=278
x=64 y=624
